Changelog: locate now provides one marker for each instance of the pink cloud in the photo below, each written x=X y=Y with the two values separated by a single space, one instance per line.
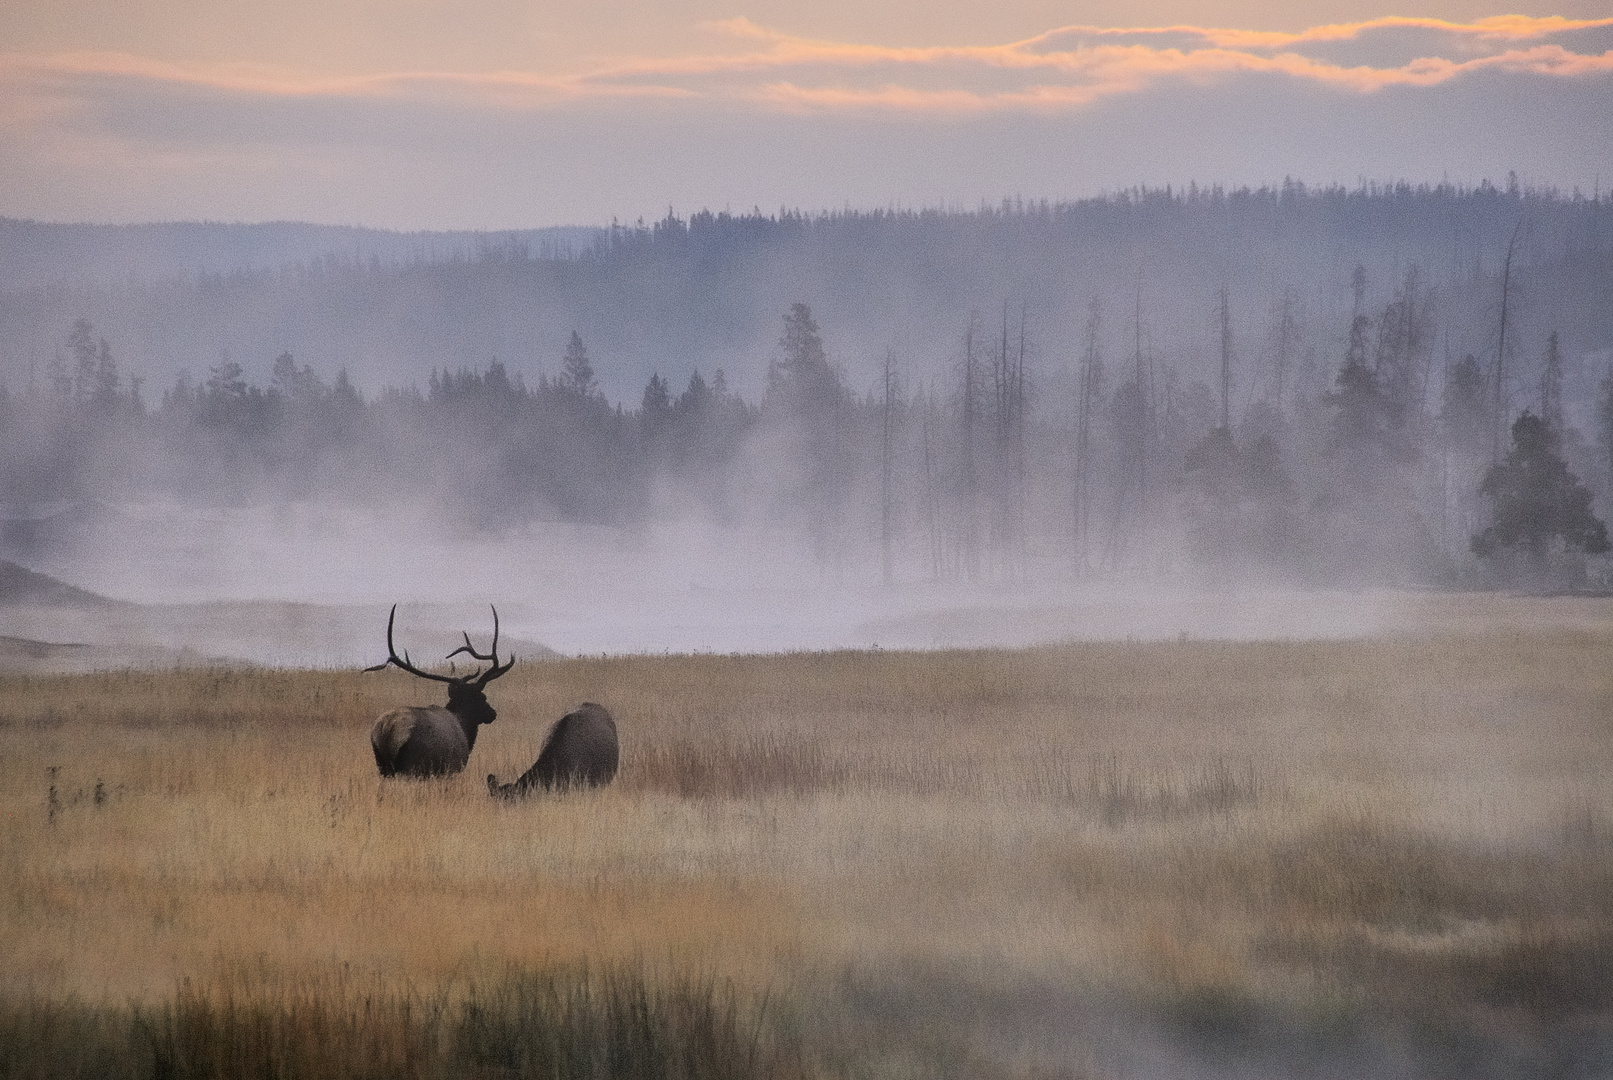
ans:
x=1068 y=67
x=1074 y=66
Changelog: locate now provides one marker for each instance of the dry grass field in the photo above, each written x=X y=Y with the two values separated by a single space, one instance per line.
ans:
x=1384 y=857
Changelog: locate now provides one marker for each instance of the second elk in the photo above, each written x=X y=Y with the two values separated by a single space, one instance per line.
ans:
x=581 y=751
x=436 y=740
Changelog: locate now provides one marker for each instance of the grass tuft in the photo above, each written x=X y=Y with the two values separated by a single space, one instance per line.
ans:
x=1382 y=837
x=612 y=1023
x=748 y=766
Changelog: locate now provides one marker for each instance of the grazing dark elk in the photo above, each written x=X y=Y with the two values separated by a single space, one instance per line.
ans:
x=581 y=751
x=430 y=740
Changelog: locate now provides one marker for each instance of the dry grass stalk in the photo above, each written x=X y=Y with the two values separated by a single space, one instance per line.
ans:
x=1415 y=823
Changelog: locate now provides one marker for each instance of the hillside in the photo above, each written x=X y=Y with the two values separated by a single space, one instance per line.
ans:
x=20 y=587
x=706 y=291
x=37 y=253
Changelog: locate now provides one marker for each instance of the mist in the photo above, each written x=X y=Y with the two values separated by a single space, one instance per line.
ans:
x=1150 y=415
x=981 y=510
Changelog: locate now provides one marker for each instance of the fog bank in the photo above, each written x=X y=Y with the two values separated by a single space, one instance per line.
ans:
x=311 y=584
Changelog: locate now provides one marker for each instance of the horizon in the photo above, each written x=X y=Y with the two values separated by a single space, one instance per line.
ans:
x=1107 y=574
x=426 y=120
x=985 y=206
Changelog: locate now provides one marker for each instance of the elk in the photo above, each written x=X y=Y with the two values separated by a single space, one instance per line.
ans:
x=433 y=740
x=580 y=750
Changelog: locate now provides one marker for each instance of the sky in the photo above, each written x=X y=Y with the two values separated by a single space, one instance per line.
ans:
x=431 y=114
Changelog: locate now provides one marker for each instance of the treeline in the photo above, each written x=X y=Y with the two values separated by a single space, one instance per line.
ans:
x=1382 y=462
x=704 y=290
x=483 y=444
x=36 y=254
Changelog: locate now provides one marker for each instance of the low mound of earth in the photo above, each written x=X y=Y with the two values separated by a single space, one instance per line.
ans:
x=20 y=586
x=17 y=648
x=26 y=655
x=47 y=625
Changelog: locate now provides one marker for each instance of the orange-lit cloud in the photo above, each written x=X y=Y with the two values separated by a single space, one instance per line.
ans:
x=1075 y=65
x=1065 y=68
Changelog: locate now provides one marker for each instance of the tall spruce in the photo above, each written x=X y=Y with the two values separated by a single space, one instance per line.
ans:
x=1537 y=505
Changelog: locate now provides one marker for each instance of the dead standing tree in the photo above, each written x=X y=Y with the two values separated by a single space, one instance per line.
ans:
x=1224 y=321
x=968 y=466
x=1551 y=385
x=1131 y=411
x=887 y=493
x=1008 y=479
x=1089 y=391
x=930 y=425
x=1497 y=386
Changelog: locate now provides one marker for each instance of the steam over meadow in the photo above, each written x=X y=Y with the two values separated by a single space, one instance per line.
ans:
x=1143 y=415
x=1288 y=505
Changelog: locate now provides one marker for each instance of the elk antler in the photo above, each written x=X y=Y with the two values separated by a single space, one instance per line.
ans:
x=482 y=678
x=393 y=660
x=469 y=648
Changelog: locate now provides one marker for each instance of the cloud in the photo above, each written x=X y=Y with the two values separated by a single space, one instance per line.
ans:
x=783 y=120
x=1068 y=67
x=1074 y=66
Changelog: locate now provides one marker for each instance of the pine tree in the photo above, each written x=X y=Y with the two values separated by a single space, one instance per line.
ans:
x=1363 y=408
x=81 y=343
x=576 y=373
x=657 y=400
x=808 y=400
x=655 y=411
x=1538 y=505
x=800 y=379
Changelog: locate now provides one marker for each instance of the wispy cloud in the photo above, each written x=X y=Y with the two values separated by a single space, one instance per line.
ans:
x=1069 y=67
x=775 y=119
x=1076 y=65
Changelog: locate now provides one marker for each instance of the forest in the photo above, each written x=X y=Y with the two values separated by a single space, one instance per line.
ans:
x=1389 y=385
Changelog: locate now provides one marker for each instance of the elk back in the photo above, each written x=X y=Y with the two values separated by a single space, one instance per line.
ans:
x=419 y=740
x=581 y=749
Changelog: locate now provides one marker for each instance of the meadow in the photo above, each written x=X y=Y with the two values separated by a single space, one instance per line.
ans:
x=1387 y=856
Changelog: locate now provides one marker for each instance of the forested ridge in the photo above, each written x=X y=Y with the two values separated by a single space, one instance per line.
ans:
x=1314 y=384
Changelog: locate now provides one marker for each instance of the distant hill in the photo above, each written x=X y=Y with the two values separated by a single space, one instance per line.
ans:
x=15 y=651
x=708 y=292
x=20 y=586
x=35 y=253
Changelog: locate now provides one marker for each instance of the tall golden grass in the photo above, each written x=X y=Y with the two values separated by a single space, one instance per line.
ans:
x=920 y=852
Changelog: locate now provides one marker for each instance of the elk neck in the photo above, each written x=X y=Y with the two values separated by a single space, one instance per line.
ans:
x=469 y=706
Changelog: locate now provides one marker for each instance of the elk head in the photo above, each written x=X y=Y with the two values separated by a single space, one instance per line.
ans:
x=466 y=697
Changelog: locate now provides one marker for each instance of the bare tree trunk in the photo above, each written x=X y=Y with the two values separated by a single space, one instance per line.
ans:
x=1225 y=320
x=1498 y=421
x=1131 y=449
x=1008 y=445
x=886 y=493
x=1021 y=526
x=932 y=494
x=1286 y=333
x=1551 y=385
x=1085 y=399
x=970 y=481
x=1145 y=391
x=1002 y=432
x=1445 y=459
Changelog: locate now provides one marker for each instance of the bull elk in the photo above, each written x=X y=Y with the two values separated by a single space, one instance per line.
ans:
x=580 y=750
x=433 y=740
